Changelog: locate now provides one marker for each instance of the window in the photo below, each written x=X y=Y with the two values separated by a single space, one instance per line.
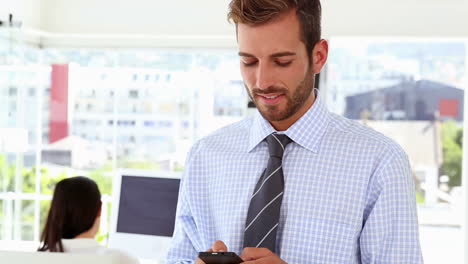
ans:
x=12 y=91
x=133 y=94
x=31 y=91
x=173 y=94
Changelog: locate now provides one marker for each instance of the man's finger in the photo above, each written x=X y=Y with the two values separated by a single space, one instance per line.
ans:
x=267 y=260
x=251 y=253
x=219 y=246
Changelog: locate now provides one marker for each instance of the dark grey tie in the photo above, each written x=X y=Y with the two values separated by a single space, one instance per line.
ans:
x=264 y=210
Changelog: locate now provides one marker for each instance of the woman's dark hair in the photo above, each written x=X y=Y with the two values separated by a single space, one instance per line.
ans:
x=75 y=205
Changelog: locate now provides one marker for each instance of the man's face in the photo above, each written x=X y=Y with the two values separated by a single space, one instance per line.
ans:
x=276 y=68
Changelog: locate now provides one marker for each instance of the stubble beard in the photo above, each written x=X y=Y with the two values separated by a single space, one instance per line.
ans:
x=293 y=103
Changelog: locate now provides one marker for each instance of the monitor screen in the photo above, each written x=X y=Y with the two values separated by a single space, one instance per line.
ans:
x=147 y=205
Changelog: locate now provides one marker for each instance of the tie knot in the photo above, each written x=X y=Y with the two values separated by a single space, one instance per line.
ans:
x=277 y=143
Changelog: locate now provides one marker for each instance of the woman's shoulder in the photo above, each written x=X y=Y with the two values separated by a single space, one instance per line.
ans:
x=91 y=246
x=123 y=256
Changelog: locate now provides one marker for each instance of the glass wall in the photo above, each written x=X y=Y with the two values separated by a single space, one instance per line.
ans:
x=71 y=112
x=23 y=85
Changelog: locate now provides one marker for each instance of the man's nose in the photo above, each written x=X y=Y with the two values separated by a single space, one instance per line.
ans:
x=265 y=77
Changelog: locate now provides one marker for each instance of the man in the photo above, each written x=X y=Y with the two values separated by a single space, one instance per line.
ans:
x=295 y=183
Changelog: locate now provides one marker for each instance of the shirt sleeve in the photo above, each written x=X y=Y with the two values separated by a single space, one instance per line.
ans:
x=185 y=237
x=390 y=229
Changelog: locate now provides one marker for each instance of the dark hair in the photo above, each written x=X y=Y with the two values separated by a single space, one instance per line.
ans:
x=257 y=12
x=74 y=208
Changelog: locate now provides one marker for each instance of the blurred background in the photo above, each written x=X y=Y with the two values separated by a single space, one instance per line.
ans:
x=92 y=87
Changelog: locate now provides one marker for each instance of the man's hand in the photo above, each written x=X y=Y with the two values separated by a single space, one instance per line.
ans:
x=260 y=256
x=218 y=246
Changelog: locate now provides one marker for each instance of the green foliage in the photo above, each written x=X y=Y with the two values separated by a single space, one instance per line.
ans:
x=420 y=198
x=101 y=237
x=144 y=165
x=102 y=176
x=452 y=140
x=179 y=167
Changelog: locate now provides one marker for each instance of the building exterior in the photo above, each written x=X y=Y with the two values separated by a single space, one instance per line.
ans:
x=410 y=100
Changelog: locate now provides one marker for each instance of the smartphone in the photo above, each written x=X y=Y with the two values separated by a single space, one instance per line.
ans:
x=220 y=257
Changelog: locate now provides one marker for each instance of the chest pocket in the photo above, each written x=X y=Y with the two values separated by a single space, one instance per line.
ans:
x=320 y=242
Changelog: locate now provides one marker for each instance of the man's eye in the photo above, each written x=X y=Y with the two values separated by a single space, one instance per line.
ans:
x=249 y=63
x=284 y=64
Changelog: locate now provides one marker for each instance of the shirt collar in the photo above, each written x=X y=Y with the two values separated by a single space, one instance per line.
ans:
x=307 y=131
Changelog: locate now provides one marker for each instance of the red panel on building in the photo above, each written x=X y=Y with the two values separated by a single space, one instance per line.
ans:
x=448 y=108
x=58 y=122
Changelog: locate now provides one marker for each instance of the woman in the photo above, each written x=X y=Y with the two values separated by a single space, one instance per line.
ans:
x=74 y=218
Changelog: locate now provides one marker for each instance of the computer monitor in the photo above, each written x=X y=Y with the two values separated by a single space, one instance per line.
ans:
x=143 y=212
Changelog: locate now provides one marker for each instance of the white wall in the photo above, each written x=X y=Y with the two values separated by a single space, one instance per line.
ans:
x=420 y=18
x=198 y=23
x=208 y=17
x=27 y=11
x=138 y=23
x=161 y=17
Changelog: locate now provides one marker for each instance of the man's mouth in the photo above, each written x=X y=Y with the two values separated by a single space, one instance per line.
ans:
x=270 y=99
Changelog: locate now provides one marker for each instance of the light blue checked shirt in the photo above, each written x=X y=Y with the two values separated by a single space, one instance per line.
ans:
x=348 y=198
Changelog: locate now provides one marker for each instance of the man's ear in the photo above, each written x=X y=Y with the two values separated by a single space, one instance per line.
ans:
x=319 y=56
